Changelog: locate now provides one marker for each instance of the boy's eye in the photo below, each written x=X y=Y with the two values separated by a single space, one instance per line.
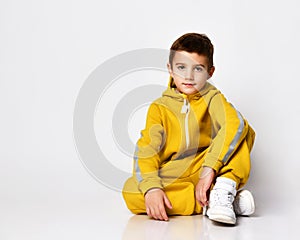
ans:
x=199 y=69
x=180 y=67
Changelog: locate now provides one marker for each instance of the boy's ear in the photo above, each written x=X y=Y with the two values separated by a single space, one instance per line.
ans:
x=211 y=71
x=170 y=69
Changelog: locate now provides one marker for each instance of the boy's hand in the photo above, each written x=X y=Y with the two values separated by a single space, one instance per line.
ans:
x=155 y=201
x=205 y=181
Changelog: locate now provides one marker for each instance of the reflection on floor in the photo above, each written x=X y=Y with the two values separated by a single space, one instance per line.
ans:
x=200 y=227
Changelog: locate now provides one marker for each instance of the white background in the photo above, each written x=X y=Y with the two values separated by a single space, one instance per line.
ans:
x=49 y=48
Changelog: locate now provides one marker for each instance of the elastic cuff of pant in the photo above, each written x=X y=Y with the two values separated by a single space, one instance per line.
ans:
x=232 y=177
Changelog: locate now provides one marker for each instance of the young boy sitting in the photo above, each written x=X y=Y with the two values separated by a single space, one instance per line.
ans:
x=195 y=149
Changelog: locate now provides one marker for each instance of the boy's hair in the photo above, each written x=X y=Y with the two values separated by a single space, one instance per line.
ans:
x=193 y=43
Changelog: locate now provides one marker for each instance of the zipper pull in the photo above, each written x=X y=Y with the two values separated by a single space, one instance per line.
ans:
x=185 y=106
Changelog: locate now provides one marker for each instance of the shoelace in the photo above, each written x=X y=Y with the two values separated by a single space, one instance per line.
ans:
x=222 y=198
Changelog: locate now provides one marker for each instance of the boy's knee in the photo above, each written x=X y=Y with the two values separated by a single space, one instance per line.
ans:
x=250 y=138
x=130 y=186
x=134 y=199
x=135 y=202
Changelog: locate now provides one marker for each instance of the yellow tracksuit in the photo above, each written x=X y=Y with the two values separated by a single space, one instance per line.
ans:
x=184 y=133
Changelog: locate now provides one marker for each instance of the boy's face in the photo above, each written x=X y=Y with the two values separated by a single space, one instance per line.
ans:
x=190 y=71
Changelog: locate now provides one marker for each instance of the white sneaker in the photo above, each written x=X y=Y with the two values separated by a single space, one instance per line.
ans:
x=244 y=203
x=221 y=201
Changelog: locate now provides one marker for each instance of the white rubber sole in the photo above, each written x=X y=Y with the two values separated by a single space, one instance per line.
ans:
x=222 y=219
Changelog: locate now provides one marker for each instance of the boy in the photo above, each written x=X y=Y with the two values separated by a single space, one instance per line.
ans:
x=195 y=145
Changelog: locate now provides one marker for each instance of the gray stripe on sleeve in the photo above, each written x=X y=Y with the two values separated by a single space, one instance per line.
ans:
x=137 y=168
x=235 y=139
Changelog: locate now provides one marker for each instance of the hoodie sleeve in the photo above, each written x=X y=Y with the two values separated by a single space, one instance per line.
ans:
x=229 y=129
x=146 y=156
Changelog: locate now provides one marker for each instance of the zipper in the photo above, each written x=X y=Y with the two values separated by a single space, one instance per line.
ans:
x=186 y=110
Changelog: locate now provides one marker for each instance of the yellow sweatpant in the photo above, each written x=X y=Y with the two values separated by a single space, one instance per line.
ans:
x=181 y=192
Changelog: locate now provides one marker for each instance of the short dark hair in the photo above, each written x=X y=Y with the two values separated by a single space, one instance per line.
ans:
x=193 y=43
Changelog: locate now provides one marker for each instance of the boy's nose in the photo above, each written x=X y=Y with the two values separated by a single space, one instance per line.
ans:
x=189 y=75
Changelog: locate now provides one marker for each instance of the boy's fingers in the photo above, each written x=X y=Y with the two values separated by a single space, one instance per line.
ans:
x=154 y=214
x=164 y=214
x=160 y=213
x=149 y=212
x=155 y=206
x=203 y=199
x=203 y=196
x=167 y=202
x=198 y=195
x=199 y=198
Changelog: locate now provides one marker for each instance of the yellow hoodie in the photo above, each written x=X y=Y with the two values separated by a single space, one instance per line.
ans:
x=185 y=132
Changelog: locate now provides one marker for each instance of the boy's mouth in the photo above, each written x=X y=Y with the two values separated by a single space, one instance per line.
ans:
x=188 y=84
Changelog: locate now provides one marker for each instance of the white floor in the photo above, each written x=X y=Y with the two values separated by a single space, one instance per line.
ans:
x=106 y=217
x=46 y=201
